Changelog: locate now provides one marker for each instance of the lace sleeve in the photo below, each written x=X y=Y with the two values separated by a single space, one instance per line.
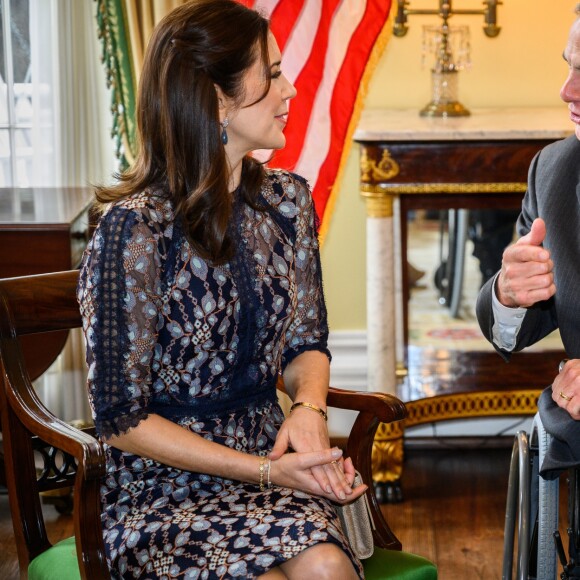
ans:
x=308 y=329
x=119 y=294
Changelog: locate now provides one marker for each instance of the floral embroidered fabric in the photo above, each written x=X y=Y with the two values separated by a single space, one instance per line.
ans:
x=202 y=345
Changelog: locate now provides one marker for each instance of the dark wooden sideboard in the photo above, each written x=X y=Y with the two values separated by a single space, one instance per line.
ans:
x=43 y=230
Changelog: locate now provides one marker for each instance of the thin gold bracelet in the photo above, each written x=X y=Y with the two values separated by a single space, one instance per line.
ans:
x=320 y=411
x=262 y=468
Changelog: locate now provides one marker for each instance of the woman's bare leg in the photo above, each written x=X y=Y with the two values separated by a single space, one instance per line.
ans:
x=324 y=562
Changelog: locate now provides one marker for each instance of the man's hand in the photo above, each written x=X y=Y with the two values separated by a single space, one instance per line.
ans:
x=526 y=275
x=566 y=388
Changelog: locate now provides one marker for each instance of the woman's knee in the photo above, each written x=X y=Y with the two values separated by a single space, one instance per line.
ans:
x=323 y=562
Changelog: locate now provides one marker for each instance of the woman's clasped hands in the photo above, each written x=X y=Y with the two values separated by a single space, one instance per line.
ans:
x=314 y=467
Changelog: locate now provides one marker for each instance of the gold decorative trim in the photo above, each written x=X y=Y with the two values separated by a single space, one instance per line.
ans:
x=462 y=406
x=378 y=206
x=471 y=188
x=387 y=460
x=385 y=169
x=388 y=449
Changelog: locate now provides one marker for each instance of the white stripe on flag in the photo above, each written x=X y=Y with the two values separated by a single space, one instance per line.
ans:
x=301 y=39
x=317 y=142
x=297 y=50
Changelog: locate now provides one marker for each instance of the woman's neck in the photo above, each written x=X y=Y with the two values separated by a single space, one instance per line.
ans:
x=235 y=163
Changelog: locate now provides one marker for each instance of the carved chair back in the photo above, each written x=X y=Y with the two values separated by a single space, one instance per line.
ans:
x=41 y=452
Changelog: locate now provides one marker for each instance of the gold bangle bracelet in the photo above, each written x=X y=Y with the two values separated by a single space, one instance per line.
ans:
x=262 y=469
x=320 y=411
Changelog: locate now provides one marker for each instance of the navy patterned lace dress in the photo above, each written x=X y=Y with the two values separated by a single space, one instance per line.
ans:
x=202 y=345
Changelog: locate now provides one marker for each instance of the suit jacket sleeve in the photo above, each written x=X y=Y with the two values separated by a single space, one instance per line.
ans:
x=540 y=318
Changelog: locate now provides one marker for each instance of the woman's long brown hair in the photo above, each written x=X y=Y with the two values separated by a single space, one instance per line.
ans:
x=195 y=47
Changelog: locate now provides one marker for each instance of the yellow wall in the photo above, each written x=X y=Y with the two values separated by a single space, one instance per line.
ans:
x=523 y=66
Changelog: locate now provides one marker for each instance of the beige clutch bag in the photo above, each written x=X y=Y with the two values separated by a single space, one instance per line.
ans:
x=357 y=523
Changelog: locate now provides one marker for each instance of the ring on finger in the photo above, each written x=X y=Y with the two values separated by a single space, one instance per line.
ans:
x=337 y=468
x=566 y=397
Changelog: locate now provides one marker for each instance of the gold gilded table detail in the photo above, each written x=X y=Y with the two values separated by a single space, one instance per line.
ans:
x=378 y=206
x=387 y=459
x=415 y=163
x=373 y=171
x=438 y=188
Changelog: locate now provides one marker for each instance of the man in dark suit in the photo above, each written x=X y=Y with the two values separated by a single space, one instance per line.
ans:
x=538 y=287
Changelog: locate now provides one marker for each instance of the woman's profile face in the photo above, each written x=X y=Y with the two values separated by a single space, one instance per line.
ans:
x=260 y=125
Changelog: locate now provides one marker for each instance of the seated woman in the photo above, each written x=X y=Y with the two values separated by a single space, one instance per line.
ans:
x=201 y=285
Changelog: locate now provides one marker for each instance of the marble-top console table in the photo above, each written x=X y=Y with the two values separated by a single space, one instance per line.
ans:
x=410 y=162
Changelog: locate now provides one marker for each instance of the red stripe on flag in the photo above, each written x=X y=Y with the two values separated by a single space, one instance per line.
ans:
x=345 y=94
x=286 y=15
x=307 y=85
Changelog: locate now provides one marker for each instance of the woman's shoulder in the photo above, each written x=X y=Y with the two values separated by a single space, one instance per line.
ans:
x=151 y=203
x=150 y=207
x=287 y=191
x=286 y=179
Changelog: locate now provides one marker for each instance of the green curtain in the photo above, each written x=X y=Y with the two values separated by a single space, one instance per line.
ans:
x=114 y=34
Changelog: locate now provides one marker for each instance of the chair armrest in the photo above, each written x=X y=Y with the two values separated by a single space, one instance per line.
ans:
x=374 y=408
x=386 y=408
x=39 y=421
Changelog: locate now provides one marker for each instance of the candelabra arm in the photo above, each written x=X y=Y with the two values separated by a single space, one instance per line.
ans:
x=491 y=28
x=444 y=74
x=445 y=10
x=400 y=28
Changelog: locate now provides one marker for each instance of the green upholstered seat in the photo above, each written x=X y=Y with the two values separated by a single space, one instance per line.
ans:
x=394 y=565
x=57 y=563
x=60 y=563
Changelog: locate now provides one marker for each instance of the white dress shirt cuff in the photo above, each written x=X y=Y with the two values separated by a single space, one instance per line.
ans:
x=506 y=322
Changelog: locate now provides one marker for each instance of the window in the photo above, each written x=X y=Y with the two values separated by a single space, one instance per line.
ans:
x=55 y=131
x=26 y=94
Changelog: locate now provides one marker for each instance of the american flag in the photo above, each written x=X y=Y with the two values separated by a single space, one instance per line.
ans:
x=329 y=49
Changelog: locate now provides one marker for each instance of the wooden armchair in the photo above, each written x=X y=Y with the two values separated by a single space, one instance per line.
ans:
x=74 y=458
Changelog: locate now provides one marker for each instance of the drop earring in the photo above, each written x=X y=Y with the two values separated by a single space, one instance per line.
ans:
x=224 y=124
